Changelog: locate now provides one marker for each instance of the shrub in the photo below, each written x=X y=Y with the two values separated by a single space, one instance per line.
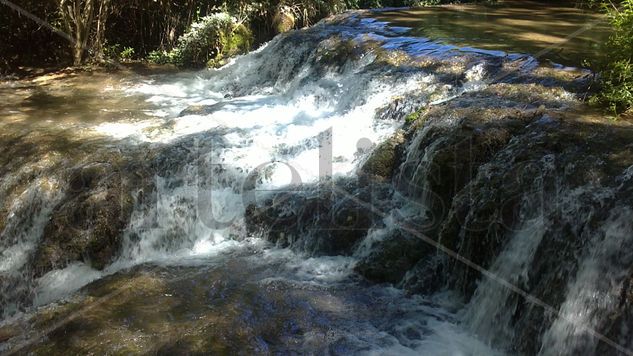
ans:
x=116 y=53
x=204 y=39
x=159 y=57
x=127 y=53
x=207 y=42
x=617 y=69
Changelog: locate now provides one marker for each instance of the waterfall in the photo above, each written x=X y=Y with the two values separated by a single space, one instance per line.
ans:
x=207 y=134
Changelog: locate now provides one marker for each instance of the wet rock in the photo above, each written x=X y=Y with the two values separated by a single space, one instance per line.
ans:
x=88 y=224
x=403 y=108
x=321 y=220
x=385 y=158
x=391 y=258
x=202 y=109
x=446 y=157
x=490 y=160
x=8 y=332
x=427 y=276
x=620 y=319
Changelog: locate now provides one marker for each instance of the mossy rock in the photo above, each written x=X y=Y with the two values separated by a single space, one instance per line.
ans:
x=384 y=160
x=319 y=223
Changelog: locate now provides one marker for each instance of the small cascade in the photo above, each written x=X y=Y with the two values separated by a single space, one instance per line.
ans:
x=594 y=317
x=491 y=309
x=180 y=176
x=28 y=214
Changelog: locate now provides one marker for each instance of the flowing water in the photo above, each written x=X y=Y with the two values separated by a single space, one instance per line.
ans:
x=226 y=211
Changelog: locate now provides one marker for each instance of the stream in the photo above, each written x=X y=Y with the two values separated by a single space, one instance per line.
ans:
x=302 y=199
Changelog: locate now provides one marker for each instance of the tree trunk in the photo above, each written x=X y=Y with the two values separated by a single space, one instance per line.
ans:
x=99 y=37
x=78 y=52
x=77 y=16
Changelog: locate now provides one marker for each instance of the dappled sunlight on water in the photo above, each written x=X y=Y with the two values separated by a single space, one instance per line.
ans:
x=569 y=35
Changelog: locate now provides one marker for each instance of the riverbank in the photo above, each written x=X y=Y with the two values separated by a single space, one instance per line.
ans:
x=49 y=73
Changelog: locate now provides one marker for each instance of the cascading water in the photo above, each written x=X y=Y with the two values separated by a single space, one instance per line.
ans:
x=303 y=143
x=277 y=112
x=484 y=313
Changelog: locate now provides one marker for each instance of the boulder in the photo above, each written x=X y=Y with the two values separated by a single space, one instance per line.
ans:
x=318 y=222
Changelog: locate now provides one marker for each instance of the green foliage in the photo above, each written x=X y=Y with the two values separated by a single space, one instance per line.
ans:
x=207 y=42
x=162 y=30
x=25 y=42
x=127 y=53
x=617 y=86
x=159 y=57
x=112 y=51
x=116 y=52
x=203 y=40
x=617 y=68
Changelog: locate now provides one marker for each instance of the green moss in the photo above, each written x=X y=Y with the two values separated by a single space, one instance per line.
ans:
x=232 y=43
x=418 y=117
x=240 y=41
x=412 y=117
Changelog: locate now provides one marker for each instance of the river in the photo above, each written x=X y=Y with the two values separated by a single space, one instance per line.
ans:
x=225 y=211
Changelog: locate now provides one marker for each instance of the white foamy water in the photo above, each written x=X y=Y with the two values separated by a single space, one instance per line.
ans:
x=286 y=114
x=34 y=205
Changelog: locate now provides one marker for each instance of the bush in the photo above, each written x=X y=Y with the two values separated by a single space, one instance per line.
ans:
x=127 y=53
x=617 y=68
x=116 y=53
x=207 y=42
